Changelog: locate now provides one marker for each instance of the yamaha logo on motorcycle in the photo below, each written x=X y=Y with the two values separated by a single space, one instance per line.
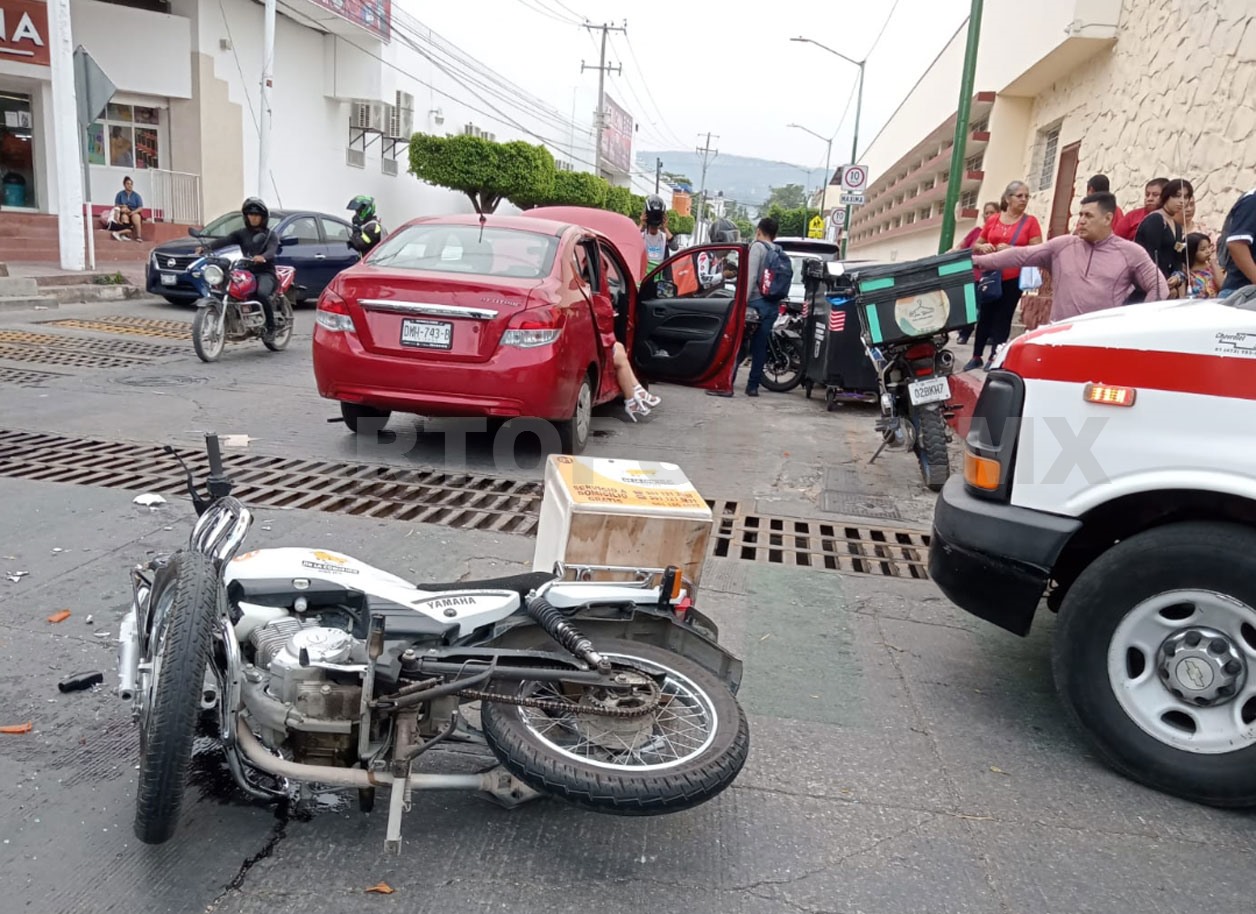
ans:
x=346 y=681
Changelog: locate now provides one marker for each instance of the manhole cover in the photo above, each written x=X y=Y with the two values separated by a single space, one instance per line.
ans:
x=856 y=504
x=162 y=381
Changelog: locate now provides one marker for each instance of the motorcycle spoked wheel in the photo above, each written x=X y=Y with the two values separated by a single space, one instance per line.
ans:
x=685 y=752
x=185 y=599
x=929 y=445
x=283 y=336
x=782 y=370
x=209 y=332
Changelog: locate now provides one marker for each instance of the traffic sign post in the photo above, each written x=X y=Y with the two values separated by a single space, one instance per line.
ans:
x=854 y=179
x=839 y=218
x=815 y=228
x=853 y=199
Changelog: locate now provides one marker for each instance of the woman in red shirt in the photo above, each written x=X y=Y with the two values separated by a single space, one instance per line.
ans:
x=1011 y=227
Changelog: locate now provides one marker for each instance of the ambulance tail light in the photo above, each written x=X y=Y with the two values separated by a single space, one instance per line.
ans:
x=993 y=435
x=1109 y=395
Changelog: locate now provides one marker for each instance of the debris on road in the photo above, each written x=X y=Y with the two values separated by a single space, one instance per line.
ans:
x=18 y=728
x=88 y=620
x=80 y=681
x=382 y=888
x=149 y=500
x=16 y=576
x=59 y=616
x=236 y=440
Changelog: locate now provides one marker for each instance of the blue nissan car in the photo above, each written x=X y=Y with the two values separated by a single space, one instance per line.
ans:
x=316 y=244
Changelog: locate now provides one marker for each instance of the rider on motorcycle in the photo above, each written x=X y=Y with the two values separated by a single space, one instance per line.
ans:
x=367 y=229
x=658 y=237
x=259 y=243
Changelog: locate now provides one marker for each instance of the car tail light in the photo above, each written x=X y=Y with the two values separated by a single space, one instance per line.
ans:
x=918 y=353
x=333 y=313
x=529 y=329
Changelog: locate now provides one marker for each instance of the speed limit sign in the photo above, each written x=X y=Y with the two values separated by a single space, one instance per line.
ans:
x=854 y=179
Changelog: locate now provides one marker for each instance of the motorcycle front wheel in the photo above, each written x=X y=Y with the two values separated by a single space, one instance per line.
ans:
x=782 y=371
x=283 y=336
x=209 y=332
x=679 y=755
x=185 y=603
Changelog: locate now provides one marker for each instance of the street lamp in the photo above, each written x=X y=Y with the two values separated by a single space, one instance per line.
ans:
x=854 y=151
x=828 y=176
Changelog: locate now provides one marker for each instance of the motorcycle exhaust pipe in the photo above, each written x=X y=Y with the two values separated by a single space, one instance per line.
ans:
x=128 y=657
x=946 y=359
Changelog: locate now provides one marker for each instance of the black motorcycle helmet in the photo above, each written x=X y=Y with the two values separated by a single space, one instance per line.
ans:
x=724 y=231
x=255 y=205
x=655 y=210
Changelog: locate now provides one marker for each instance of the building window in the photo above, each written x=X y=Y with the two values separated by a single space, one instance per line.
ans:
x=974 y=163
x=126 y=138
x=1045 y=150
x=968 y=199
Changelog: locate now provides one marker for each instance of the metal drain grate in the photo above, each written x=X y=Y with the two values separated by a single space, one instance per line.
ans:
x=80 y=344
x=393 y=493
x=431 y=496
x=67 y=358
x=822 y=545
x=19 y=377
x=128 y=324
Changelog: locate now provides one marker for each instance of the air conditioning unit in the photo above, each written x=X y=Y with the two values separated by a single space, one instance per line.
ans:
x=369 y=116
x=401 y=117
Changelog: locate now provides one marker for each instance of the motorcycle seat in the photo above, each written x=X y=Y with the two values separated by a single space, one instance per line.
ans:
x=521 y=584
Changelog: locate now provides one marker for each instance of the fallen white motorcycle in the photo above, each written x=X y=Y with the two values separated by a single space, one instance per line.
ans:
x=310 y=667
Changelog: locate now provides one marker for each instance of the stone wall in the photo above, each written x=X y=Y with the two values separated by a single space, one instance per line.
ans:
x=1175 y=97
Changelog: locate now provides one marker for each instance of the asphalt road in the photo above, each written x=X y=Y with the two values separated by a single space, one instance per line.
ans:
x=905 y=758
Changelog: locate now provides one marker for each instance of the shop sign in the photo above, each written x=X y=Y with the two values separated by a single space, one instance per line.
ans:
x=24 y=31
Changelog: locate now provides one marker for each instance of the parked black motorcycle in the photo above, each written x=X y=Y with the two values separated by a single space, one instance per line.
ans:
x=783 y=367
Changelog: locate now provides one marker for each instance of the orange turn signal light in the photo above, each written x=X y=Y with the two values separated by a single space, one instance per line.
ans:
x=1109 y=395
x=981 y=472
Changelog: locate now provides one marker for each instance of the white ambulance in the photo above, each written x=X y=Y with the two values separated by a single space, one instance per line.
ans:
x=1111 y=467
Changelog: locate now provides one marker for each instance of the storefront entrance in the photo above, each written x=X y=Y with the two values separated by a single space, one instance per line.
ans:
x=17 y=152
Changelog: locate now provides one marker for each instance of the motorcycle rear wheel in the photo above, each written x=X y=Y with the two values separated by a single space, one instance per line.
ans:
x=180 y=642
x=209 y=332
x=560 y=755
x=283 y=336
x=930 y=446
x=782 y=371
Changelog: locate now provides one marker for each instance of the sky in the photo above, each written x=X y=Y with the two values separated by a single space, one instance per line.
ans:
x=728 y=68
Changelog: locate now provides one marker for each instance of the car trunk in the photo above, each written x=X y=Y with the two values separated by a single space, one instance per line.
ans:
x=433 y=316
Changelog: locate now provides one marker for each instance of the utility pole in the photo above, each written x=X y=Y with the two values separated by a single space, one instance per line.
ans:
x=73 y=220
x=602 y=69
x=961 y=129
x=658 y=173
x=707 y=154
x=268 y=72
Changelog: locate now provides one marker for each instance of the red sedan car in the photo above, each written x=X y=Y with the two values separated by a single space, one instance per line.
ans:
x=514 y=316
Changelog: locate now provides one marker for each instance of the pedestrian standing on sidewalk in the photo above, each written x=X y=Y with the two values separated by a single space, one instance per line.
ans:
x=1127 y=228
x=1093 y=269
x=764 y=242
x=988 y=212
x=1099 y=184
x=1012 y=228
x=1163 y=237
x=1238 y=243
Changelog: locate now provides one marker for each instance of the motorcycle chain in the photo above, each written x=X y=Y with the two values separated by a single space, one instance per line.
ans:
x=566 y=707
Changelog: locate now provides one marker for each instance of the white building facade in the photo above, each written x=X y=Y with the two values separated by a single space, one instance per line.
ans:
x=352 y=79
x=1134 y=89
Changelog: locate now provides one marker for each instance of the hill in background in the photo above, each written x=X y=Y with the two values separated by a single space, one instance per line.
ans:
x=748 y=181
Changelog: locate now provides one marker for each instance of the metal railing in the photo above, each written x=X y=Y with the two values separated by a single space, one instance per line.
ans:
x=176 y=197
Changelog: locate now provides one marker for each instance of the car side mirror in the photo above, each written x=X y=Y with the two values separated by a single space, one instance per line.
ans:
x=194 y=231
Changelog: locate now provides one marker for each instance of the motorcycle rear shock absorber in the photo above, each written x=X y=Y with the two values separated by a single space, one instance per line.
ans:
x=566 y=634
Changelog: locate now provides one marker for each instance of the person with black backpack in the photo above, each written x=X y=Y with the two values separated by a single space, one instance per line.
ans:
x=771 y=274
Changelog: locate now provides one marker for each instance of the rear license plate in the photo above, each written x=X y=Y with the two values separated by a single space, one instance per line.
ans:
x=169 y=279
x=427 y=334
x=932 y=391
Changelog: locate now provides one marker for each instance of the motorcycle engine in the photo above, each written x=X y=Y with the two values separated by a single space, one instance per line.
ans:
x=300 y=695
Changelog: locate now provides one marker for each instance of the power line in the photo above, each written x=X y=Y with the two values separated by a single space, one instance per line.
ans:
x=884 y=26
x=646 y=84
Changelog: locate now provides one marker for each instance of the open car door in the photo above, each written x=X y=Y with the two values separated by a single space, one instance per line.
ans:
x=688 y=317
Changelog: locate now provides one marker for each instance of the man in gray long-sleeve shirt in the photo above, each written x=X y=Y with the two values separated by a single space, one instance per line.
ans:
x=1091 y=270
